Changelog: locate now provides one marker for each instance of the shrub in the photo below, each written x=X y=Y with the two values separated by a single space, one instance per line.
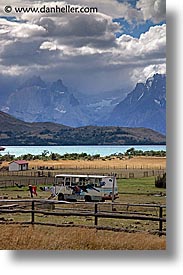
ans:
x=160 y=181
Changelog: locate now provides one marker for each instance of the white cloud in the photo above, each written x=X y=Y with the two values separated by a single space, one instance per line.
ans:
x=20 y=30
x=141 y=74
x=150 y=45
x=47 y=45
x=54 y=56
x=81 y=30
x=12 y=70
x=111 y=8
x=154 y=10
x=83 y=49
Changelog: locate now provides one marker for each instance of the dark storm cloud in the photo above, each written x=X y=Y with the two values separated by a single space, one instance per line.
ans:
x=82 y=30
x=83 y=49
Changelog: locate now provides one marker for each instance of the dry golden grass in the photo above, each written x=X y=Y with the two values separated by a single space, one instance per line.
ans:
x=137 y=162
x=16 y=237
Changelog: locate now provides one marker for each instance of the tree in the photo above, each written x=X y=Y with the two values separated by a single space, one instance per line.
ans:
x=130 y=152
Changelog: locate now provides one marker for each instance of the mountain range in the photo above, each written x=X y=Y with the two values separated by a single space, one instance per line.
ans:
x=144 y=106
x=38 y=101
x=17 y=132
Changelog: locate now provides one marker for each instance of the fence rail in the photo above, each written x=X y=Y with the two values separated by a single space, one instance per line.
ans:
x=8 y=179
x=11 y=207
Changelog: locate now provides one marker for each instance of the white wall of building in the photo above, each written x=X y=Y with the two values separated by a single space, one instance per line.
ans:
x=17 y=167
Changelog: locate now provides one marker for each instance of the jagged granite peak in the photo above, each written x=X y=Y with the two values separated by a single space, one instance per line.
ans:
x=33 y=81
x=156 y=77
x=145 y=106
x=58 y=86
x=73 y=101
x=39 y=101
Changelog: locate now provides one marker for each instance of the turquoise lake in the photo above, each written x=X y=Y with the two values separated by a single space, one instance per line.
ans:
x=92 y=150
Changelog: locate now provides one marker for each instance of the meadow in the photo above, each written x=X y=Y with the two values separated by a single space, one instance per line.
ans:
x=135 y=162
x=72 y=235
x=110 y=162
x=48 y=237
x=15 y=237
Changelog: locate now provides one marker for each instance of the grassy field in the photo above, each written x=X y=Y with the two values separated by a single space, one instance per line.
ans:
x=44 y=171
x=138 y=162
x=14 y=237
x=134 y=190
x=141 y=190
x=135 y=162
x=130 y=191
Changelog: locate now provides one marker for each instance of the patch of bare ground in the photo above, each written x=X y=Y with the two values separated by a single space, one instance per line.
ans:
x=16 y=237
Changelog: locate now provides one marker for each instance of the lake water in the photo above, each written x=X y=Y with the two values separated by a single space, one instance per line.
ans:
x=92 y=150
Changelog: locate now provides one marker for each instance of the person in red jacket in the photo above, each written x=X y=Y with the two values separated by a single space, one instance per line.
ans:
x=32 y=190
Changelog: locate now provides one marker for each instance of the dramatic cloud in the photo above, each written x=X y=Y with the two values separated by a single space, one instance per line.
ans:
x=20 y=30
x=112 y=8
x=151 y=44
x=154 y=10
x=141 y=74
x=79 y=31
x=84 y=49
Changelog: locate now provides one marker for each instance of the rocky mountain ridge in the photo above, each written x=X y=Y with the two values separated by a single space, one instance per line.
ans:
x=38 y=101
x=145 y=106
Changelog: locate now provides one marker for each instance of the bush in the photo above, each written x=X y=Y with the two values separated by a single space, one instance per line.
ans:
x=160 y=181
x=7 y=157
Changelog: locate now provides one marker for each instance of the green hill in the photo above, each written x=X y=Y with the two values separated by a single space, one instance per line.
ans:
x=16 y=132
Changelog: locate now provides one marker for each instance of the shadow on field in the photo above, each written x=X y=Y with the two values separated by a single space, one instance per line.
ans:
x=171 y=253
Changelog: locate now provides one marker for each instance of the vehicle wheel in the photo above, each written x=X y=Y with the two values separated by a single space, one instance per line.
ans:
x=87 y=198
x=61 y=197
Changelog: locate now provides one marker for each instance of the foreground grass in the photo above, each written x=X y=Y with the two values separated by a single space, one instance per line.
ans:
x=131 y=191
x=138 y=191
x=16 y=237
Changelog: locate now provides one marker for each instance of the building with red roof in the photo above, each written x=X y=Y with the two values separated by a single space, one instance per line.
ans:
x=18 y=165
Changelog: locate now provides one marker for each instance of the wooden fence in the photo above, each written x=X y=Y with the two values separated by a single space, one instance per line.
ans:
x=20 y=207
x=25 y=181
x=120 y=173
x=94 y=166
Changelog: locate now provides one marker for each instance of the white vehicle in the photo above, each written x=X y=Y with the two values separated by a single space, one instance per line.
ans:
x=85 y=187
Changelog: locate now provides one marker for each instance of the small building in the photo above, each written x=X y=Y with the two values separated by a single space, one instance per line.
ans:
x=18 y=165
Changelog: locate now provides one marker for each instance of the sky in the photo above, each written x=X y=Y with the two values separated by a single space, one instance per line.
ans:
x=120 y=45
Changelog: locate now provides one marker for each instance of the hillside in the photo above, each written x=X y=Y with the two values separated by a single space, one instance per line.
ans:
x=16 y=132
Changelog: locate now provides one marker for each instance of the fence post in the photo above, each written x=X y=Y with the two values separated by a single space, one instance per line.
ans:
x=96 y=220
x=32 y=213
x=160 y=222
